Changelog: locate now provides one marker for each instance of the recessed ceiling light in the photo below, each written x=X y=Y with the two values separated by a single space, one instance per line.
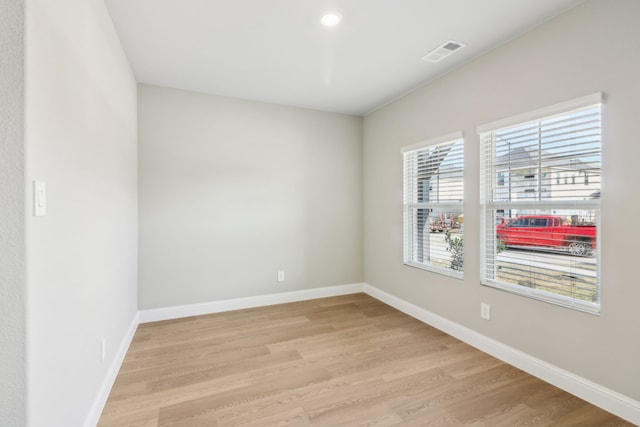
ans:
x=331 y=19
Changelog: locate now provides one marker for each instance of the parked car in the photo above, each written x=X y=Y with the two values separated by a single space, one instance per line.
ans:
x=549 y=232
x=443 y=223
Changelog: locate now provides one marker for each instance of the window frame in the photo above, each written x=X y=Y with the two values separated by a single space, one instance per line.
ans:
x=490 y=206
x=408 y=206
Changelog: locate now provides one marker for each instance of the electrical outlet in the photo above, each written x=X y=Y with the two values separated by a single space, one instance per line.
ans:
x=485 y=311
x=281 y=276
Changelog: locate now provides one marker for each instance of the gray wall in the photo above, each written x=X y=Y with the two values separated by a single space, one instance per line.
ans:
x=81 y=257
x=594 y=47
x=12 y=232
x=232 y=191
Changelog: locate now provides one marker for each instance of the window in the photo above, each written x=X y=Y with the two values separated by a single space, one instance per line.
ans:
x=433 y=203
x=541 y=238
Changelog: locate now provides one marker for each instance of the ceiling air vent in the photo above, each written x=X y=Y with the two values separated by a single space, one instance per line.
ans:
x=441 y=52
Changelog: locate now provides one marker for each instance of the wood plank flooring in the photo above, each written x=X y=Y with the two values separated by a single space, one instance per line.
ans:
x=342 y=361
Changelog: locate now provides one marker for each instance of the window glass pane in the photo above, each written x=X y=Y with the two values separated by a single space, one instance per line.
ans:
x=439 y=172
x=529 y=156
x=437 y=237
x=551 y=252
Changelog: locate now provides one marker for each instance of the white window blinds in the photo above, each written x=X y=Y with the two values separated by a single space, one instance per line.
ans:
x=540 y=195
x=433 y=203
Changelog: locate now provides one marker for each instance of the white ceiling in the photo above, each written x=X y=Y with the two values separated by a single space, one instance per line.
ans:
x=276 y=50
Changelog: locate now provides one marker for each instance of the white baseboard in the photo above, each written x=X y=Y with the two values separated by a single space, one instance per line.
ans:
x=167 y=313
x=607 y=399
x=103 y=394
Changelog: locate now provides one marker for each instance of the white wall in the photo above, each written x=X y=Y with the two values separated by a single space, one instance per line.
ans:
x=12 y=233
x=81 y=257
x=232 y=191
x=593 y=47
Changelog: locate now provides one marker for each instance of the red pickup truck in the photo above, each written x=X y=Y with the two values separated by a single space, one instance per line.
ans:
x=549 y=232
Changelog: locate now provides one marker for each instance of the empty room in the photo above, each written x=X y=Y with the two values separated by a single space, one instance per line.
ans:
x=319 y=213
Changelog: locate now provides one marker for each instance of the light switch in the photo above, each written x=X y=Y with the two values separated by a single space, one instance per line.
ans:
x=39 y=198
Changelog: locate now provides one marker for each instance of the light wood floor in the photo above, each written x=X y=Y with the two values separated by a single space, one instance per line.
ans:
x=343 y=361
